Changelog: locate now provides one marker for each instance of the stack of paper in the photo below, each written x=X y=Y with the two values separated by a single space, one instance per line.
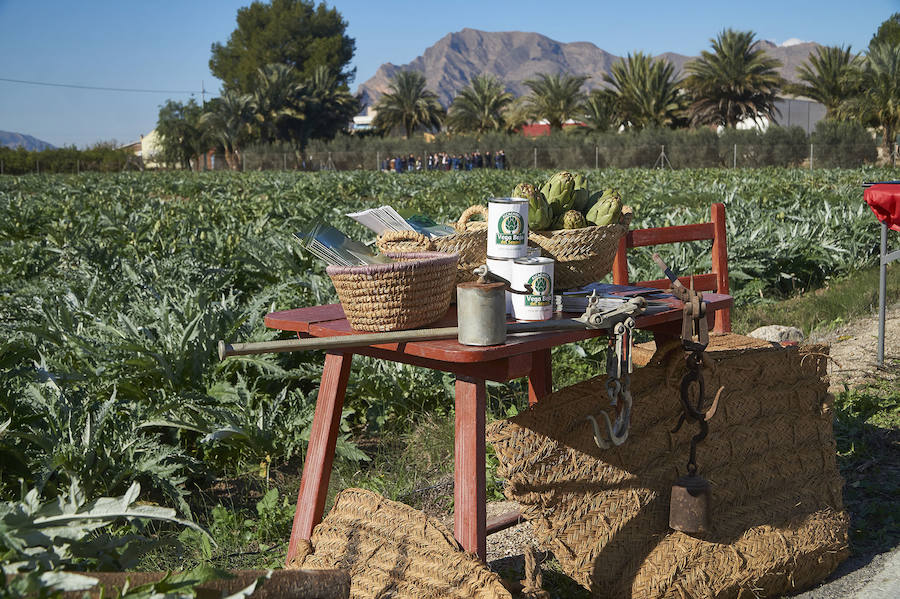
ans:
x=381 y=220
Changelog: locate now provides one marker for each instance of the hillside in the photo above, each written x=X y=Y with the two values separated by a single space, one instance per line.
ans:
x=515 y=56
x=9 y=139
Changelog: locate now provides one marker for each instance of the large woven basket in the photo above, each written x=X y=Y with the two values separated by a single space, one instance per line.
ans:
x=469 y=241
x=582 y=255
x=411 y=292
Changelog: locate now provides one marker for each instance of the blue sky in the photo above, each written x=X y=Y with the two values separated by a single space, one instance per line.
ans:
x=164 y=45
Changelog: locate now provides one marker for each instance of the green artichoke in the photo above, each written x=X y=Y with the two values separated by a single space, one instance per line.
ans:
x=573 y=220
x=539 y=214
x=560 y=192
x=607 y=210
x=582 y=194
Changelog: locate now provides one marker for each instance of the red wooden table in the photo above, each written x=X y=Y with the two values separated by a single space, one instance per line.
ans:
x=522 y=355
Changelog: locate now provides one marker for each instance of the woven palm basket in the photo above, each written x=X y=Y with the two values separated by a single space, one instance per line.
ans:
x=469 y=242
x=411 y=292
x=778 y=524
x=393 y=550
x=582 y=255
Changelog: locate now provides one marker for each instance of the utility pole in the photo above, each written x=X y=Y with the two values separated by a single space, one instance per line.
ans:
x=202 y=94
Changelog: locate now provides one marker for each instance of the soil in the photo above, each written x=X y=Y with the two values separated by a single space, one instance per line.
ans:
x=853 y=352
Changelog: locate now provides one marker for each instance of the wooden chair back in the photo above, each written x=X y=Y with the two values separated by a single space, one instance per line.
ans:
x=716 y=281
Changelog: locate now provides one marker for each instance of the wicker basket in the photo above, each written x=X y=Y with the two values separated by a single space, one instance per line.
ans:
x=469 y=241
x=582 y=255
x=412 y=292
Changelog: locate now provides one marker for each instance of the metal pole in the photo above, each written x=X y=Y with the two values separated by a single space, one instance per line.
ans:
x=283 y=161
x=1 y=167
x=735 y=156
x=377 y=161
x=535 y=157
x=37 y=166
x=596 y=156
x=810 y=156
x=78 y=167
x=882 y=294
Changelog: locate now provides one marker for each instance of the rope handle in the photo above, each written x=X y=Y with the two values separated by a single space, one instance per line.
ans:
x=469 y=213
x=397 y=236
x=532 y=584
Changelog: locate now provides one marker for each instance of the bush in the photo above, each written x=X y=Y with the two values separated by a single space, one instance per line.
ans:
x=842 y=144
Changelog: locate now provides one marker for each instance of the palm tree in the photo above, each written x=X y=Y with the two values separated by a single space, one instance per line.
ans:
x=408 y=105
x=480 y=105
x=228 y=119
x=831 y=76
x=878 y=102
x=734 y=82
x=647 y=92
x=329 y=105
x=280 y=103
x=516 y=114
x=556 y=98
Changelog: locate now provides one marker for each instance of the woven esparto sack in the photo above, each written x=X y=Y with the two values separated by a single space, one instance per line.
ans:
x=582 y=255
x=778 y=523
x=393 y=550
x=469 y=241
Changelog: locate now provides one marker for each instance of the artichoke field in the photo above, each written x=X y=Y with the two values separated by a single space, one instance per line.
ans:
x=115 y=288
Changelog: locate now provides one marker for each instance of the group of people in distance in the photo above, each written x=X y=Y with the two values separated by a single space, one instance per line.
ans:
x=442 y=161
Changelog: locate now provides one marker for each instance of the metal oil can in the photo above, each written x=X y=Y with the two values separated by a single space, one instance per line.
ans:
x=481 y=313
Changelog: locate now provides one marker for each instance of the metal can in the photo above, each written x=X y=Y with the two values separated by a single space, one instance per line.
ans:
x=503 y=267
x=507 y=234
x=479 y=311
x=537 y=272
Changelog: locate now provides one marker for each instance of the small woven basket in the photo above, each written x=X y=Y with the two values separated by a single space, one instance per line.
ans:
x=582 y=255
x=469 y=241
x=414 y=291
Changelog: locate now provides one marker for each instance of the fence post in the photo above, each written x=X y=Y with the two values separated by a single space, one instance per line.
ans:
x=283 y=161
x=1 y=167
x=810 y=157
x=377 y=161
x=735 y=156
x=597 y=157
x=77 y=167
x=37 y=166
x=535 y=158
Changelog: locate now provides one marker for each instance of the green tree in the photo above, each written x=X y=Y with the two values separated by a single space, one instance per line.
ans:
x=516 y=114
x=830 y=76
x=480 y=105
x=181 y=137
x=556 y=98
x=878 y=103
x=228 y=119
x=408 y=105
x=600 y=111
x=736 y=81
x=330 y=105
x=648 y=95
x=279 y=98
x=888 y=32
x=292 y=32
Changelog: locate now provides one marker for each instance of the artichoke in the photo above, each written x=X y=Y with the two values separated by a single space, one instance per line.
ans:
x=573 y=220
x=539 y=214
x=607 y=210
x=560 y=192
x=582 y=194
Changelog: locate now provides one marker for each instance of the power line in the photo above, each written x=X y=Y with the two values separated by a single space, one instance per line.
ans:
x=106 y=89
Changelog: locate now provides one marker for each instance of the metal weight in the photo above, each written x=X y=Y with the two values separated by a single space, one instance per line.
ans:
x=481 y=312
x=689 y=506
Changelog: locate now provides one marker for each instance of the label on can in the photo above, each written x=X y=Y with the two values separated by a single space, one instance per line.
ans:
x=542 y=287
x=510 y=229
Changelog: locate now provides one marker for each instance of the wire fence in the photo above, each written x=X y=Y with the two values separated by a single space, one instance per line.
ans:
x=563 y=157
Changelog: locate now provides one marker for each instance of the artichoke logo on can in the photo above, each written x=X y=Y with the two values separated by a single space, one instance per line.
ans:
x=511 y=229
x=542 y=288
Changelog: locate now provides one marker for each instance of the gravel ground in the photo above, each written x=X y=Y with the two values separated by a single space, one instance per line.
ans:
x=853 y=348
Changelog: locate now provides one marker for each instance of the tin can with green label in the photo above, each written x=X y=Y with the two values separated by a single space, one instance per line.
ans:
x=537 y=272
x=507 y=235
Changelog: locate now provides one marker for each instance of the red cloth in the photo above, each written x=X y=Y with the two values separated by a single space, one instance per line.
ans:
x=884 y=200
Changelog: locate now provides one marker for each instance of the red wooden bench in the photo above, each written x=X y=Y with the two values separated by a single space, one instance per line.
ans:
x=716 y=281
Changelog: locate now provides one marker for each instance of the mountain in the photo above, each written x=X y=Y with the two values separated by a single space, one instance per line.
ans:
x=515 y=56
x=15 y=140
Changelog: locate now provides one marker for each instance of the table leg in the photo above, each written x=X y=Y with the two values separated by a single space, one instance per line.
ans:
x=320 y=451
x=469 y=495
x=540 y=379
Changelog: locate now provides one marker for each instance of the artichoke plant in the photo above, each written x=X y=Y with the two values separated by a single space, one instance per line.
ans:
x=560 y=192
